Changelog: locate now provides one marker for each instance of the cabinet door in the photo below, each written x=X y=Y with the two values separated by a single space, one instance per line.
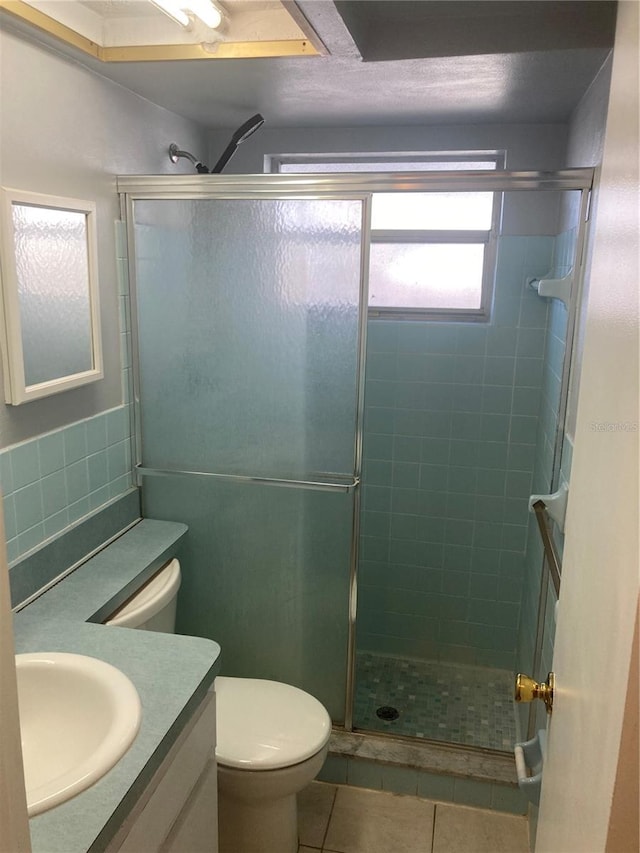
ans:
x=196 y=829
x=173 y=787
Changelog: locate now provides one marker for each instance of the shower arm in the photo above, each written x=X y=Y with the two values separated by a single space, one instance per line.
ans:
x=176 y=154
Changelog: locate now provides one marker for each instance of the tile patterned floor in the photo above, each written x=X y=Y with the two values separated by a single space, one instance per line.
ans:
x=340 y=819
x=456 y=703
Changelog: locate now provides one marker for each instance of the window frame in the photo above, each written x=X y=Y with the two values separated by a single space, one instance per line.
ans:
x=274 y=163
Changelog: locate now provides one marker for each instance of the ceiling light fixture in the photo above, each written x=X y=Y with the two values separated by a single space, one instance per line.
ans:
x=173 y=9
x=180 y=10
x=208 y=13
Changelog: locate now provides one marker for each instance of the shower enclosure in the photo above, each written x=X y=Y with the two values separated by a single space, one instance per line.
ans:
x=346 y=533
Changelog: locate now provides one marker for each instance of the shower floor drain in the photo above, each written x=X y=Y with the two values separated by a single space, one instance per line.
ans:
x=387 y=712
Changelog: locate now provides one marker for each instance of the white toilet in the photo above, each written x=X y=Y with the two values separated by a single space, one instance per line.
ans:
x=272 y=738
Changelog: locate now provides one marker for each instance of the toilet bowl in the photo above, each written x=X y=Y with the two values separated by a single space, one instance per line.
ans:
x=272 y=742
x=272 y=738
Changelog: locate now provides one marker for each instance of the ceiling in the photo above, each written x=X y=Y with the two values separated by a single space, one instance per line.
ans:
x=395 y=63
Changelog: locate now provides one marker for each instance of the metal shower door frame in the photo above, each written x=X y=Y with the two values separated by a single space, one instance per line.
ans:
x=344 y=186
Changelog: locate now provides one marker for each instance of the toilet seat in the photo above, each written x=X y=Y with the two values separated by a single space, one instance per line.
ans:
x=266 y=725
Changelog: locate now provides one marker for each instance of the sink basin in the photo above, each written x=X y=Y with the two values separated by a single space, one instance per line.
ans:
x=78 y=716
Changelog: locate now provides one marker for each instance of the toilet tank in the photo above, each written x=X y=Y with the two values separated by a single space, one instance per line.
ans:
x=153 y=606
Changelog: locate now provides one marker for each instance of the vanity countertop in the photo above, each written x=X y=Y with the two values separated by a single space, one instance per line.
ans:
x=172 y=674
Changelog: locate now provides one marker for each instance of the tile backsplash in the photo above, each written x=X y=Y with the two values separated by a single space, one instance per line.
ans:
x=50 y=482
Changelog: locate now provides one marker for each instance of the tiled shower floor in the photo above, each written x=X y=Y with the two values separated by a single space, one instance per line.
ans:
x=455 y=703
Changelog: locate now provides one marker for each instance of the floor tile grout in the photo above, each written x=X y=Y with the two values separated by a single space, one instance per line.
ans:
x=433 y=829
x=333 y=803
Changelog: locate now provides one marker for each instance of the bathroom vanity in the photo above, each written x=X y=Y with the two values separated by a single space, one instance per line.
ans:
x=162 y=794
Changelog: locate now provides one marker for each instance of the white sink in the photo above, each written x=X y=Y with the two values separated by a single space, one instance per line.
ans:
x=78 y=716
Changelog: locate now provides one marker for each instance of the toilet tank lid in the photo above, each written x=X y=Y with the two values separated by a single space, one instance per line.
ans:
x=150 y=598
x=266 y=725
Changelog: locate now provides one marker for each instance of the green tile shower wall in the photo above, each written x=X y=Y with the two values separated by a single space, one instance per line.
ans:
x=564 y=253
x=451 y=419
x=53 y=480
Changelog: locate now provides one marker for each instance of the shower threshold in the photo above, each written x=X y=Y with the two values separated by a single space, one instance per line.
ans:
x=468 y=706
x=470 y=763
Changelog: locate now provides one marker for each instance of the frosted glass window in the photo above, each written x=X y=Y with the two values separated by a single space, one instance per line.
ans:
x=431 y=252
x=52 y=273
x=409 y=275
x=432 y=211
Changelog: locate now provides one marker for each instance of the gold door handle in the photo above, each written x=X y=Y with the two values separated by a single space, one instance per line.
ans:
x=527 y=689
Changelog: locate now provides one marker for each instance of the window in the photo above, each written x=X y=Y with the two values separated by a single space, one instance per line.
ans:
x=432 y=254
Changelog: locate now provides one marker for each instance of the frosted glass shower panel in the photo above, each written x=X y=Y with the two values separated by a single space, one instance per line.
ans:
x=248 y=315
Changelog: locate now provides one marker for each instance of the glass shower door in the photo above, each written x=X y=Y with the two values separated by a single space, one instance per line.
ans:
x=249 y=338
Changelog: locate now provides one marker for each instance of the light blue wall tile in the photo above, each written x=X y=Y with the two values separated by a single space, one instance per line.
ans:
x=379 y=498
x=465 y=425
x=77 y=477
x=30 y=538
x=491 y=481
x=10 y=524
x=468 y=792
x=117 y=425
x=55 y=524
x=6 y=473
x=499 y=370
x=459 y=532
x=75 y=442
x=435 y=450
x=484 y=587
x=97 y=470
x=334 y=770
x=405 y=475
x=502 y=341
x=494 y=427
x=364 y=774
x=487 y=535
x=406 y=448
x=462 y=452
x=497 y=399
x=28 y=507
x=97 y=433
x=382 y=337
x=407 y=422
x=13 y=550
x=467 y=398
x=493 y=454
x=471 y=340
x=490 y=508
x=379 y=420
x=51 y=453
x=25 y=464
x=468 y=369
x=434 y=477
x=400 y=780
x=531 y=342
x=506 y=798
x=486 y=560
x=79 y=509
x=54 y=493
x=529 y=372
x=523 y=429
x=434 y=786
